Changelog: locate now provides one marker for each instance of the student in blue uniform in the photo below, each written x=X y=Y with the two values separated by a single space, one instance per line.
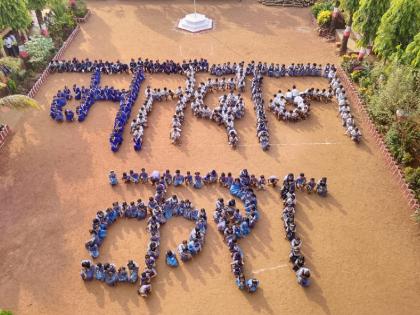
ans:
x=198 y=181
x=134 y=271
x=310 y=187
x=144 y=178
x=252 y=285
x=88 y=270
x=178 y=179
x=171 y=259
x=321 y=187
x=189 y=179
x=112 y=178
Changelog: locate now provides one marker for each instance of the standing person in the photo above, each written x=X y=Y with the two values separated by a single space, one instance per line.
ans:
x=15 y=47
x=7 y=42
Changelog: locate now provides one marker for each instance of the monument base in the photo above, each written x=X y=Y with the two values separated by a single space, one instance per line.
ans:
x=195 y=22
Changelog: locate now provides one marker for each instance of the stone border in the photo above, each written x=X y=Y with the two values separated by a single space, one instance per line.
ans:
x=83 y=19
x=392 y=165
x=35 y=88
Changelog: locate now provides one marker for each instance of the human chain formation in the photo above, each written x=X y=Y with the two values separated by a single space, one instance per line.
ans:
x=231 y=223
x=231 y=106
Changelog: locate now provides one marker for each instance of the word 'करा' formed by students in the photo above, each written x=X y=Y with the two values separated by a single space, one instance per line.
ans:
x=231 y=223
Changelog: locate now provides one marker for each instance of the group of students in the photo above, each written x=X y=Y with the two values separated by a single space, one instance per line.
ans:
x=124 y=111
x=300 y=100
x=234 y=225
x=152 y=95
x=230 y=222
x=289 y=201
x=104 y=219
x=272 y=70
x=196 y=181
x=169 y=66
x=230 y=106
x=293 y=70
x=347 y=119
x=183 y=96
x=86 y=65
x=159 y=210
x=162 y=210
x=263 y=134
x=87 y=96
x=109 y=273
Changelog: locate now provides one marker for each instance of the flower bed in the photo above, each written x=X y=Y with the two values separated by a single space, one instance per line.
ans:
x=58 y=55
x=393 y=166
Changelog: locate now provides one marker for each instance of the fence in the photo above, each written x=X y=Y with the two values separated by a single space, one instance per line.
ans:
x=356 y=100
x=83 y=19
x=4 y=132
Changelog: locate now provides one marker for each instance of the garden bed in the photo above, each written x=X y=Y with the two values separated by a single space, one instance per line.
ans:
x=35 y=88
x=357 y=100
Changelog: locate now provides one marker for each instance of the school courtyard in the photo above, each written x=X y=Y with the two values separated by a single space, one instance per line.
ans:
x=359 y=242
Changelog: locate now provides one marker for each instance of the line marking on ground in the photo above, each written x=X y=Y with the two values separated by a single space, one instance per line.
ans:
x=269 y=269
x=293 y=144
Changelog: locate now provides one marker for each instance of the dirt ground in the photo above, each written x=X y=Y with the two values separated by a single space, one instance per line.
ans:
x=359 y=242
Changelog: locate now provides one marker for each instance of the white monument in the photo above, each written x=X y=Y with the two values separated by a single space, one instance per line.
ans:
x=195 y=22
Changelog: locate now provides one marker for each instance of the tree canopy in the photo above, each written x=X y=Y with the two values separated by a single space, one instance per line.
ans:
x=14 y=14
x=411 y=55
x=350 y=6
x=37 y=4
x=398 y=27
x=368 y=18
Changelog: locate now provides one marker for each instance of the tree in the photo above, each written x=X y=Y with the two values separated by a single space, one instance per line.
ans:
x=14 y=14
x=412 y=53
x=18 y=102
x=37 y=6
x=398 y=27
x=350 y=6
x=367 y=19
x=59 y=7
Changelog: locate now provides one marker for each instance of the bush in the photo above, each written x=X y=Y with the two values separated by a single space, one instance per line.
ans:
x=61 y=26
x=79 y=8
x=412 y=175
x=359 y=74
x=11 y=85
x=321 y=6
x=348 y=63
x=40 y=49
x=21 y=75
x=18 y=102
x=14 y=64
x=393 y=87
x=403 y=140
x=324 y=18
x=2 y=312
